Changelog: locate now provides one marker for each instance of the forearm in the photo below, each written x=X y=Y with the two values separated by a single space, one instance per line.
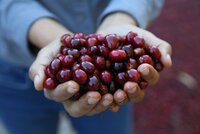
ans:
x=44 y=31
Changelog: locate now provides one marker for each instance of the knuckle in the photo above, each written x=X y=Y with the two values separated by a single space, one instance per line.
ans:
x=52 y=96
x=99 y=109
x=77 y=111
x=47 y=95
x=70 y=111
x=57 y=98
x=61 y=86
x=74 y=113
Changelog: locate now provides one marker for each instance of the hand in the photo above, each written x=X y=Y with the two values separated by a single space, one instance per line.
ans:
x=132 y=91
x=89 y=104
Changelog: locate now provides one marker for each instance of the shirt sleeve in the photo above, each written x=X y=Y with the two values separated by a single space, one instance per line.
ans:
x=16 y=17
x=143 y=11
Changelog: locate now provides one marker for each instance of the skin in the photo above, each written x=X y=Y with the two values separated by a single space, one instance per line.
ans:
x=92 y=102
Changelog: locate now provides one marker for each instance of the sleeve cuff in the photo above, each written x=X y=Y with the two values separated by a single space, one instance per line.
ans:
x=27 y=15
x=140 y=10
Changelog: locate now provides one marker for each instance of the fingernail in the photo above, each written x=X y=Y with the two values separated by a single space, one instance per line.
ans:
x=169 y=59
x=106 y=102
x=71 y=90
x=36 y=80
x=132 y=90
x=145 y=70
x=120 y=97
x=92 y=101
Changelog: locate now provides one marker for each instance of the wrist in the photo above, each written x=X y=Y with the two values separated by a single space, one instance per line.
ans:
x=117 y=19
x=44 y=31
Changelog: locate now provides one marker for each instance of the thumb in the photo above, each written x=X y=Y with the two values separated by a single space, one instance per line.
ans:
x=164 y=47
x=43 y=59
x=36 y=73
x=166 y=52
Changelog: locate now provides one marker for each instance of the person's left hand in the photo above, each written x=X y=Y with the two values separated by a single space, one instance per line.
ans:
x=121 y=24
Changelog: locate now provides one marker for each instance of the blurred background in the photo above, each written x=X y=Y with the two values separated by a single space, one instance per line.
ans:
x=173 y=106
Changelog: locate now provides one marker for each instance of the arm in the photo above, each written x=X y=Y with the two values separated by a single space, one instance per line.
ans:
x=86 y=105
x=89 y=104
x=44 y=31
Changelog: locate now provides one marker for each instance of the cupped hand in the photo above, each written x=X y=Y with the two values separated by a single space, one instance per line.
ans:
x=132 y=92
x=89 y=104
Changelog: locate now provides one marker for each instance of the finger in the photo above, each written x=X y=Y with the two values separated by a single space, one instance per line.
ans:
x=166 y=52
x=105 y=102
x=44 y=57
x=133 y=91
x=120 y=97
x=114 y=107
x=164 y=47
x=140 y=97
x=148 y=73
x=82 y=106
x=62 y=92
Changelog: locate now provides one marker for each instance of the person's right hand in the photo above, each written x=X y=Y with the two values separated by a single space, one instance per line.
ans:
x=89 y=104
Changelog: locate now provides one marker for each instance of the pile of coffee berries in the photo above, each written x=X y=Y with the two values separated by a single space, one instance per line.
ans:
x=101 y=63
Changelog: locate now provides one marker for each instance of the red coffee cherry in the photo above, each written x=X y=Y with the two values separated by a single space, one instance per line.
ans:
x=106 y=77
x=63 y=75
x=80 y=76
x=50 y=83
x=133 y=75
x=117 y=55
x=102 y=63
x=112 y=41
